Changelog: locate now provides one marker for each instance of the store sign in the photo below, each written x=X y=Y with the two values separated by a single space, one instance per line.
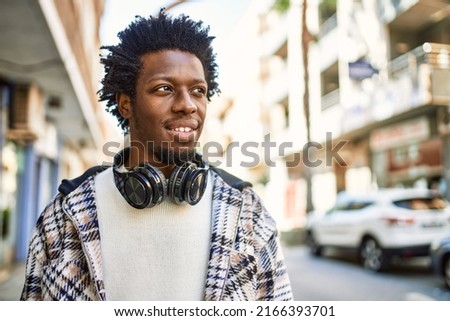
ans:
x=360 y=70
x=404 y=133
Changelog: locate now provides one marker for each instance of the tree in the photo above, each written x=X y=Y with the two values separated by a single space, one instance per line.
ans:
x=174 y=4
x=283 y=6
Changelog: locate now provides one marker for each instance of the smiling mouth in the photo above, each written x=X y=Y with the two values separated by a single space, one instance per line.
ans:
x=183 y=134
x=183 y=129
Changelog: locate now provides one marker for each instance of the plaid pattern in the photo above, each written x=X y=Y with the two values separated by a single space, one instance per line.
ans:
x=246 y=263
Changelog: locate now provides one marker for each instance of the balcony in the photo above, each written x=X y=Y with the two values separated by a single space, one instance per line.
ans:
x=329 y=25
x=275 y=37
x=35 y=49
x=417 y=78
x=328 y=42
x=413 y=14
x=330 y=116
x=331 y=99
x=275 y=88
x=431 y=60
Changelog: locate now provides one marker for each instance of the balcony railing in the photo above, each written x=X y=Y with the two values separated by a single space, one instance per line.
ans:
x=331 y=99
x=431 y=60
x=418 y=78
x=328 y=25
x=434 y=54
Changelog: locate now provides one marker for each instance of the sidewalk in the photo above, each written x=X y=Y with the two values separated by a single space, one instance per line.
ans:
x=11 y=282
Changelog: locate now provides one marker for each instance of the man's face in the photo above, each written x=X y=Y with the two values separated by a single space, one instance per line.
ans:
x=169 y=110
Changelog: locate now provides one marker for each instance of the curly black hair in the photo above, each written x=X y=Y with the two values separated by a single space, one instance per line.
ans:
x=143 y=35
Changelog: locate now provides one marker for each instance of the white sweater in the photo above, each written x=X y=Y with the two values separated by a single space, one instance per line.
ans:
x=158 y=253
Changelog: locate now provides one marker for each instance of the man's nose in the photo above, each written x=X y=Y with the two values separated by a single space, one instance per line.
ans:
x=184 y=103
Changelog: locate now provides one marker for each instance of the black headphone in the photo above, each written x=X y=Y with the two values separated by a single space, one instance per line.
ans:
x=145 y=186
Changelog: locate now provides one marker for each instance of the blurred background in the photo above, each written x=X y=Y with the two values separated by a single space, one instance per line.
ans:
x=367 y=81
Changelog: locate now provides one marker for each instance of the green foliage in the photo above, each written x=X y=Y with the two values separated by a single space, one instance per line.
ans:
x=326 y=9
x=263 y=179
x=282 y=5
x=328 y=3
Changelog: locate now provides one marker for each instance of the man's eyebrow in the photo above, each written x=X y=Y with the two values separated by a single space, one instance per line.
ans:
x=175 y=79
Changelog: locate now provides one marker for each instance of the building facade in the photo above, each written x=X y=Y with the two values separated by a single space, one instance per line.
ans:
x=384 y=91
x=258 y=117
x=377 y=100
x=51 y=124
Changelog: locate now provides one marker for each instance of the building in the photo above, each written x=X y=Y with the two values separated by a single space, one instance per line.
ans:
x=259 y=119
x=51 y=124
x=378 y=104
x=383 y=89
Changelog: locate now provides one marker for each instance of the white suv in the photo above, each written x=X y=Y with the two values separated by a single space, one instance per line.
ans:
x=381 y=224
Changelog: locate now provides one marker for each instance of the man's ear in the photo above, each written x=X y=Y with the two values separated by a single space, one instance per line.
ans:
x=124 y=104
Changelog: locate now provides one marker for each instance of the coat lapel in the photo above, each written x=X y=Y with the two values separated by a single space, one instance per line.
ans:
x=81 y=207
x=226 y=206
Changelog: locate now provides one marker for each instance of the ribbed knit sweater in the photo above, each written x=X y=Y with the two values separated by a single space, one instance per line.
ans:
x=158 y=253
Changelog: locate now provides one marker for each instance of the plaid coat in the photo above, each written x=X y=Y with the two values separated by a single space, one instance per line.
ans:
x=245 y=263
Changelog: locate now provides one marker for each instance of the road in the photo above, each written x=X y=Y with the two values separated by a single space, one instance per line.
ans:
x=338 y=277
x=335 y=277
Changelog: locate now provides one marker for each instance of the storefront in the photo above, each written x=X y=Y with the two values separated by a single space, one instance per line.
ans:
x=407 y=154
x=28 y=176
x=8 y=183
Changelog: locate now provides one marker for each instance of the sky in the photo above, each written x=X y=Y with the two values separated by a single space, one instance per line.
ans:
x=220 y=15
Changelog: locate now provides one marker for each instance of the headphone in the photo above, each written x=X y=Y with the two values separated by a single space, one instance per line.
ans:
x=145 y=186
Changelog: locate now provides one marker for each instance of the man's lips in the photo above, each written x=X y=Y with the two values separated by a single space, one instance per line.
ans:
x=183 y=131
x=183 y=137
x=182 y=125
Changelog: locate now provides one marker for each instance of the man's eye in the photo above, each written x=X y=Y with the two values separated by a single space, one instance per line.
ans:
x=200 y=90
x=163 y=88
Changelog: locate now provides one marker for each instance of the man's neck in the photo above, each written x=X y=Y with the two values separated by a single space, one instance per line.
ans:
x=140 y=155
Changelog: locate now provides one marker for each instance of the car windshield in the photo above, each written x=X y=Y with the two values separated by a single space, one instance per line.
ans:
x=432 y=203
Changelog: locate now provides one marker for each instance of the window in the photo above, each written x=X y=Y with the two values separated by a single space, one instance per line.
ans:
x=351 y=206
x=435 y=203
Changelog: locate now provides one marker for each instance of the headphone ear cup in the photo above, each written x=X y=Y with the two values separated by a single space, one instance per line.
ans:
x=187 y=184
x=195 y=185
x=176 y=185
x=137 y=190
x=157 y=182
x=143 y=186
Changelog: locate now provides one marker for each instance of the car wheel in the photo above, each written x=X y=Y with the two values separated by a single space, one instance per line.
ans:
x=447 y=271
x=372 y=256
x=314 y=247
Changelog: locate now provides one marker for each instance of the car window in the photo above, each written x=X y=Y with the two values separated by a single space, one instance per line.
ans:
x=350 y=206
x=432 y=203
x=359 y=205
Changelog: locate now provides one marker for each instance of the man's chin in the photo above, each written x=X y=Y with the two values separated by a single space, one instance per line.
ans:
x=177 y=156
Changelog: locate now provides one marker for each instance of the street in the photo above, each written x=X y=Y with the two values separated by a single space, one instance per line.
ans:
x=338 y=277
x=333 y=277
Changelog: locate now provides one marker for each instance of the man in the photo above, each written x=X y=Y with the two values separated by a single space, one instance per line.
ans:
x=159 y=224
